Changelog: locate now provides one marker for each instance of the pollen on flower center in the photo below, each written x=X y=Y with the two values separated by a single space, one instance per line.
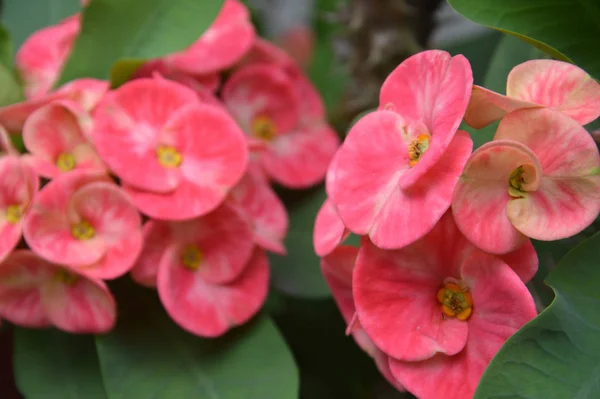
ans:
x=83 y=230
x=516 y=182
x=168 y=156
x=65 y=161
x=13 y=213
x=417 y=148
x=263 y=128
x=66 y=277
x=191 y=257
x=456 y=301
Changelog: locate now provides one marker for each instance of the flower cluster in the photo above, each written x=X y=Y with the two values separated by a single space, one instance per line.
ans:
x=167 y=177
x=438 y=283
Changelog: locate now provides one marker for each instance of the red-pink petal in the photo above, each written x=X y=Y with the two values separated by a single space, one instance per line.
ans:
x=267 y=213
x=127 y=131
x=329 y=231
x=21 y=276
x=157 y=237
x=481 y=196
x=81 y=306
x=337 y=268
x=487 y=106
x=502 y=304
x=262 y=90
x=299 y=159
x=524 y=261
x=210 y=310
x=197 y=83
x=222 y=45
x=558 y=85
x=434 y=88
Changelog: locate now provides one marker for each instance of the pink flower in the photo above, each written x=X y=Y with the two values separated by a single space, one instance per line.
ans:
x=208 y=275
x=329 y=231
x=176 y=157
x=534 y=84
x=221 y=46
x=199 y=83
x=18 y=186
x=392 y=178
x=83 y=220
x=440 y=308
x=539 y=178
x=35 y=293
x=54 y=136
x=337 y=269
x=292 y=146
x=42 y=56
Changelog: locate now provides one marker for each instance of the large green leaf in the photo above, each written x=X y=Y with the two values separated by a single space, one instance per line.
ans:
x=148 y=356
x=568 y=29
x=23 y=17
x=557 y=355
x=10 y=90
x=50 y=364
x=128 y=30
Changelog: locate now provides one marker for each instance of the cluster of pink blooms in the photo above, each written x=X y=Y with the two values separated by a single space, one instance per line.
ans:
x=438 y=283
x=192 y=142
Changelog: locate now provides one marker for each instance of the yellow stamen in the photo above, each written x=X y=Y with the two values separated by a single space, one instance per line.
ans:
x=65 y=162
x=192 y=257
x=83 y=230
x=456 y=301
x=14 y=214
x=168 y=156
x=66 y=277
x=417 y=148
x=263 y=128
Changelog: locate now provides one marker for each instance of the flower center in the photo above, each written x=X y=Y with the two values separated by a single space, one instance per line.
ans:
x=516 y=182
x=456 y=301
x=263 y=128
x=168 y=156
x=191 y=257
x=66 y=277
x=417 y=148
x=83 y=230
x=13 y=214
x=65 y=162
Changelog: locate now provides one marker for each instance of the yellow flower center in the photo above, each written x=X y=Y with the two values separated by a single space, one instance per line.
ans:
x=13 y=213
x=83 y=230
x=417 y=148
x=516 y=182
x=66 y=277
x=168 y=156
x=456 y=301
x=191 y=257
x=65 y=162
x=263 y=128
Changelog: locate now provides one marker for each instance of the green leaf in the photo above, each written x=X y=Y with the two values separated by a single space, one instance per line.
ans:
x=51 y=364
x=567 y=29
x=556 y=355
x=22 y=18
x=149 y=356
x=129 y=29
x=509 y=53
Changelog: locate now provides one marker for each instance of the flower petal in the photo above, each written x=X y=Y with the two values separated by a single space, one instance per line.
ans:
x=524 y=261
x=6 y=145
x=157 y=238
x=557 y=84
x=481 y=195
x=486 y=106
x=211 y=310
x=21 y=276
x=337 y=268
x=329 y=230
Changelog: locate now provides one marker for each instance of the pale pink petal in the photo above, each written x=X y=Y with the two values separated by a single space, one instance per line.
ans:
x=557 y=84
x=487 y=106
x=197 y=83
x=48 y=223
x=262 y=91
x=329 y=231
x=265 y=210
x=395 y=294
x=157 y=237
x=21 y=276
x=83 y=306
x=211 y=310
x=6 y=145
x=117 y=224
x=481 y=196
x=502 y=305
x=434 y=88
x=86 y=92
x=127 y=128
x=222 y=45
x=299 y=159
x=524 y=261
